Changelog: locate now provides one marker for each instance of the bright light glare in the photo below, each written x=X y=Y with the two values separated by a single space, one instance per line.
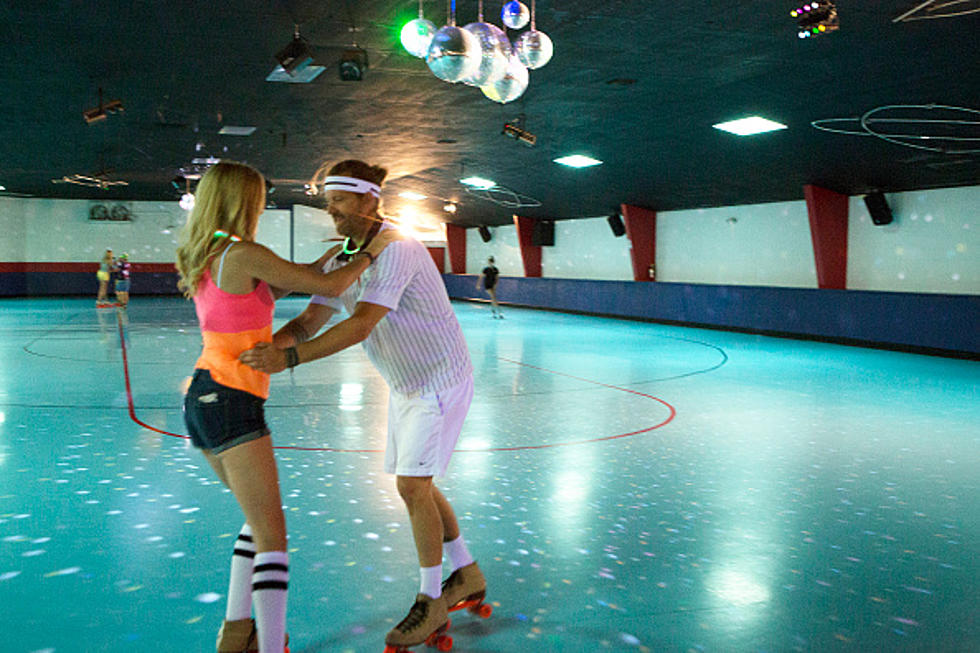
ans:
x=749 y=126
x=412 y=195
x=187 y=201
x=578 y=161
x=478 y=182
x=738 y=588
x=571 y=488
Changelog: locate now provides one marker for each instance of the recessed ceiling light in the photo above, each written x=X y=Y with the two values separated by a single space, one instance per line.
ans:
x=749 y=126
x=578 y=161
x=233 y=130
x=412 y=195
x=478 y=182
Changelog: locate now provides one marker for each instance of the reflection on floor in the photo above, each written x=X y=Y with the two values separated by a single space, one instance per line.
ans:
x=625 y=486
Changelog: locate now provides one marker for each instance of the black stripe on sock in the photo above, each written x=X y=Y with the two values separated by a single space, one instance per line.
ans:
x=270 y=566
x=245 y=538
x=270 y=585
x=244 y=553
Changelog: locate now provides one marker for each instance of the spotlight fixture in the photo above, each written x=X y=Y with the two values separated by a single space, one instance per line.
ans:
x=353 y=63
x=102 y=111
x=815 y=18
x=522 y=135
x=296 y=55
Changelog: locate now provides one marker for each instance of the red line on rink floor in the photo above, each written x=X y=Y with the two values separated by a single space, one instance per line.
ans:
x=671 y=415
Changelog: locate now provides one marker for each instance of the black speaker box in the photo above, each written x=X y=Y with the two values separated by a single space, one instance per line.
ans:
x=543 y=233
x=616 y=224
x=484 y=233
x=878 y=208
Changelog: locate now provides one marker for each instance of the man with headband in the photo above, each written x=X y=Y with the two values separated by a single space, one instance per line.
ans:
x=401 y=312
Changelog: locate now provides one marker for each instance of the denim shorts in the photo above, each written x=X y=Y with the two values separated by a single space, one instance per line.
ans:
x=122 y=285
x=218 y=417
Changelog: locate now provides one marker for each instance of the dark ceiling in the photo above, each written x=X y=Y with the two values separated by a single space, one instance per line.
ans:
x=635 y=84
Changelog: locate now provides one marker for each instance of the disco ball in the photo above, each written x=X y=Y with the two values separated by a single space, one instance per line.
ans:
x=515 y=15
x=454 y=54
x=496 y=51
x=511 y=86
x=417 y=35
x=534 y=49
x=186 y=201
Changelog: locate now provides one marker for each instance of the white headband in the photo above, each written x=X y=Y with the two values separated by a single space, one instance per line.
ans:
x=351 y=185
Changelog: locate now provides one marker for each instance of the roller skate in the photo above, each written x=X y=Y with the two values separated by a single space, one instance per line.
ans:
x=240 y=636
x=421 y=625
x=465 y=589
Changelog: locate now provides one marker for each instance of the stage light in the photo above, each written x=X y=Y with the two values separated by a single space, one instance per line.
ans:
x=102 y=111
x=296 y=55
x=514 y=130
x=353 y=63
x=816 y=18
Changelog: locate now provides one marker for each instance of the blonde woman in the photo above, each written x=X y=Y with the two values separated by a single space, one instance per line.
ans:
x=105 y=266
x=234 y=282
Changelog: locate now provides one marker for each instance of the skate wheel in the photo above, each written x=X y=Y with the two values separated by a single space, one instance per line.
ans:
x=484 y=610
x=391 y=649
x=444 y=643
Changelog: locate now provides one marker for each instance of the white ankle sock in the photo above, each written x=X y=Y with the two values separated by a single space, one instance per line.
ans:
x=458 y=554
x=431 y=581
x=240 y=583
x=270 y=582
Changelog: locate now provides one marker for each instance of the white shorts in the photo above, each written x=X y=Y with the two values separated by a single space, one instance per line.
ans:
x=423 y=429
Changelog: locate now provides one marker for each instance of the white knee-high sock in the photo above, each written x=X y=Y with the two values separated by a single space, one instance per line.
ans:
x=458 y=554
x=240 y=584
x=270 y=582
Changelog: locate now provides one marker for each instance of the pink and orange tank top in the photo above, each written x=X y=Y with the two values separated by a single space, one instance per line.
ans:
x=231 y=324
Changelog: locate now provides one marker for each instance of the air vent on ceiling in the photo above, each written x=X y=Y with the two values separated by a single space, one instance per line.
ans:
x=304 y=76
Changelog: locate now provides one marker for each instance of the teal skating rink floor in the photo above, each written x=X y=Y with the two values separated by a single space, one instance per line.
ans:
x=625 y=487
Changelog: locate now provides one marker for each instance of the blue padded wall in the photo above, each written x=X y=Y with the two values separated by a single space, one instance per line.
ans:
x=915 y=320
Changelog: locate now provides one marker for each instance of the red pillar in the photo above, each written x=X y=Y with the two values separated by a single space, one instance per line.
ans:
x=456 y=243
x=530 y=254
x=641 y=229
x=438 y=255
x=827 y=211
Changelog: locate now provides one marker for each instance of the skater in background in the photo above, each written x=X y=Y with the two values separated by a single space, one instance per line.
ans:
x=105 y=271
x=234 y=282
x=401 y=313
x=122 y=269
x=488 y=279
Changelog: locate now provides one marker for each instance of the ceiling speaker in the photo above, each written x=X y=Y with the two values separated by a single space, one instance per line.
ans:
x=543 y=233
x=878 y=208
x=616 y=224
x=484 y=233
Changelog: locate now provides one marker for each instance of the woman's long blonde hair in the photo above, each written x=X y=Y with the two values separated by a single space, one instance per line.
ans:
x=230 y=197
